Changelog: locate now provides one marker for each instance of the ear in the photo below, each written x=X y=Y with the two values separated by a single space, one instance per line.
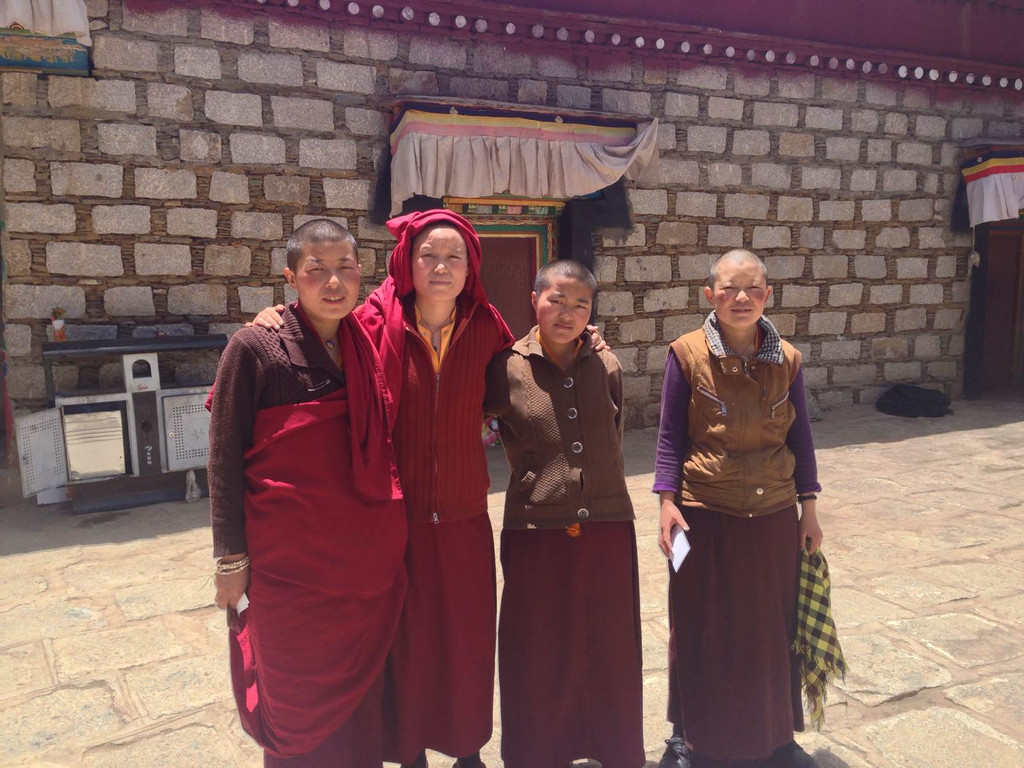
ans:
x=290 y=277
x=768 y=293
x=709 y=295
x=533 y=301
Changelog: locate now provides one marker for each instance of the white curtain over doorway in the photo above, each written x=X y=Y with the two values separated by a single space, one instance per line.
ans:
x=48 y=17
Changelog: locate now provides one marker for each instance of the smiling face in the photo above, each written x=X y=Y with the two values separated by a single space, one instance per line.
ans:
x=739 y=293
x=439 y=264
x=563 y=309
x=326 y=277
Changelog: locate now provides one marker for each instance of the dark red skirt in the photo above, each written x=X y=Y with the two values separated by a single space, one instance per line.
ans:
x=356 y=744
x=733 y=681
x=569 y=656
x=439 y=678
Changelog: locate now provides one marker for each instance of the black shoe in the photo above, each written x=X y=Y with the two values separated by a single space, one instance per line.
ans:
x=676 y=754
x=791 y=755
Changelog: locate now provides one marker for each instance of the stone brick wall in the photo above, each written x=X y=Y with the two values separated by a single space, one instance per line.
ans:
x=158 y=194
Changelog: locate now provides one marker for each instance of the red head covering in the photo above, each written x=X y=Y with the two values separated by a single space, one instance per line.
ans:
x=383 y=314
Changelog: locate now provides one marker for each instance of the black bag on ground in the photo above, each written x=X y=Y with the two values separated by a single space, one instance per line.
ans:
x=910 y=400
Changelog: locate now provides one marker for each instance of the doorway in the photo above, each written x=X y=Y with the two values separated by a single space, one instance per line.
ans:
x=1003 y=357
x=508 y=269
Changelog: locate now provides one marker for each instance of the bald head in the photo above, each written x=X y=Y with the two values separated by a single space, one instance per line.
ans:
x=737 y=256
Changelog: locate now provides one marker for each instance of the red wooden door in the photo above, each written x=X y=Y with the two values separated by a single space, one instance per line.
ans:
x=509 y=266
x=1004 y=283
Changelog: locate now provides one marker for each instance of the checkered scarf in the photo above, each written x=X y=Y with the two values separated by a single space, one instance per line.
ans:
x=771 y=343
x=819 y=655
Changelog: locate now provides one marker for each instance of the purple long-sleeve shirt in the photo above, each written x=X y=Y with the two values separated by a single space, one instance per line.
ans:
x=672 y=434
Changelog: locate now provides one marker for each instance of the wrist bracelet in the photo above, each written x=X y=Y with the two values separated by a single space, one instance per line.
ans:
x=802 y=497
x=233 y=567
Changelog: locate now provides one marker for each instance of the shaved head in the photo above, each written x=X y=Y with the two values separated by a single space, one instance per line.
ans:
x=737 y=256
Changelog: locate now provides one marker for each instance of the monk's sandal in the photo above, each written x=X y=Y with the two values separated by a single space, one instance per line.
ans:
x=676 y=754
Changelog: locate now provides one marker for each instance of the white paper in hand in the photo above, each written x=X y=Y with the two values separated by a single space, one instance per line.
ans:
x=243 y=603
x=680 y=547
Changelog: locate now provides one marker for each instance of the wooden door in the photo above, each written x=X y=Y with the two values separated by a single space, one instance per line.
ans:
x=1003 y=358
x=509 y=266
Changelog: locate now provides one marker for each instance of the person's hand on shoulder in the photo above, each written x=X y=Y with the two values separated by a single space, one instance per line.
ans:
x=269 y=318
x=597 y=341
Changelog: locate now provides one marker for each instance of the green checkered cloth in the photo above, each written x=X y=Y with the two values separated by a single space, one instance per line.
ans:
x=819 y=656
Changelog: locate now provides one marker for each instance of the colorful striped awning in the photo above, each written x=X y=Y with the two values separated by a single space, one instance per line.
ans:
x=476 y=152
x=995 y=186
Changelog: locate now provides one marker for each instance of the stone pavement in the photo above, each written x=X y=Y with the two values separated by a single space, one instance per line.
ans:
x=111 y=653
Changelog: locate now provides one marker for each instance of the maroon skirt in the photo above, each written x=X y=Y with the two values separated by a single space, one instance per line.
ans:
x=733 y=681
x=439 y=677
x=569 y=655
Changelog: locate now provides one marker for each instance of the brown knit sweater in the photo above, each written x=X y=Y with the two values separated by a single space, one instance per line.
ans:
x=562 y=432
x=259 y=369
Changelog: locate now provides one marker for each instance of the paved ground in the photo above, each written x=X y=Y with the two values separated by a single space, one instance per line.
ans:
x=111 y=653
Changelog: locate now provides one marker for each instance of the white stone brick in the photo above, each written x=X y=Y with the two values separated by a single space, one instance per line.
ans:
x=800 y=296
x=677 y=233
x=270 y=68
x=257 y=149
x=893 y=237
x=308 y=114
x=648 y=269
x=632 y=331
x=124 y=53
x=366 y=122
x=865 y=373
x=771 y=175
x=966 y=128
x=706 y=138
x=926 y=294
x=784 y=267
x=286 y=33
x=648 y=202
x=931 y=237
x=169 y=23
x=619 y=238
x=917 y=210
x=102 y=95
x=908 y=268
x=812 y=237
x=917 y=98
x=42 y=133
x=86 y=179
x=124 y=139
x=19 y=176
x=726 y=237
x=863 y=180
x=636 y=387
x=751 y=83
x=556 y=66
x=573 y=96
x=121 y=219
x=616 y=303
x=899 y=181
x=129 y=301
x=930 y=126
x=819 y=178
x=989 y=105
x=822 y=323
x=704 y=77
x=864 y=120
x=197 y=299
x=252 y=300
x=768 y=113
x=914 y=153
x=192 y=222
x=896 y=124
x=944 y=369
x=750 y=143
x=333 y=154
x=840 y=350
x=173 y=102
x=909 y=371
x=227 y=261
x=495 y=59
x=827 y=266
x=842 y=148
x=701 y=204
x=786 y=326
x=19 y=88
x=869 y=267
x=256 y=226
x=18 y=340
x=18 y=258
x=824 y=118
x=234 y=108
x=796 y=145
x=849 y=239
x=225 y=28
x=432 y=52
x=795 y=209
x=40 y=217
x=38 y=301
x=724 y=174
x=771 y=237
x=868 y=322
x=666 y=136
x=876 y=210
x=362 y=43
x=835 y=89
x=845 y=294
x=286 y=189
x=836 y=210
x=536 y=92
x=796 y=86
x=199 y=146
x=681 y=105
x=87 y=259
x=945 y=266
x=159 y=259
x=886 y=294
x=661 y=299
x=946 y=319
x=232 y=188
x=197 y=61
x=696 y=267
x=628 y=102
x=747 y=206
x=350 y=78
x=347 y=193
x=725 y=109
x=165 y=184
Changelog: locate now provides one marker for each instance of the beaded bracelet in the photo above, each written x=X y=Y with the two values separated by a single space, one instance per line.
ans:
x=233 y=567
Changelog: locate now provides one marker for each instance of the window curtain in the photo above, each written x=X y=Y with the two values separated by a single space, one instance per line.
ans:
x=52 y=18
